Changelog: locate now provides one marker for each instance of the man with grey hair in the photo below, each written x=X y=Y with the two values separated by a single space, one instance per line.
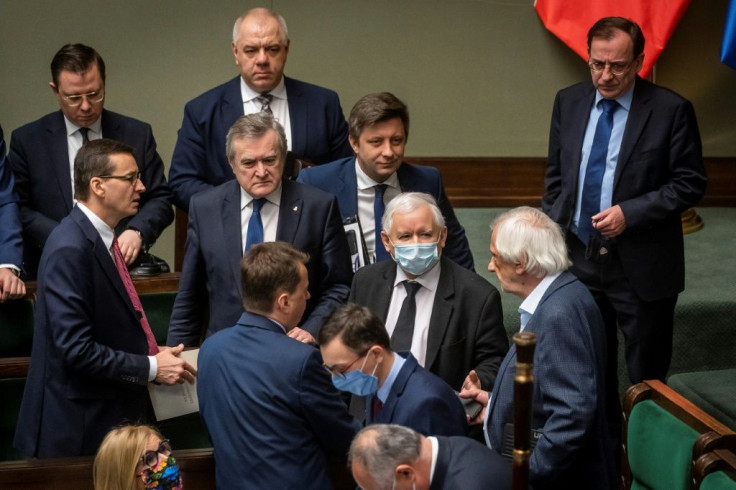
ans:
x=312 y=118
x=258 y=206
x=386 y=457
x=573 y=448
x=449 y=318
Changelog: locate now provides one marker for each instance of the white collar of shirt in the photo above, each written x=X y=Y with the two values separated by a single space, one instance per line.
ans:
x=365 y=182
x=429 y=279
x=530 y=303
x=274 y=197
x=624 y=101
x=435 y=450
x=106 y=233
x=95 y=128
x=385 y=389
x=248 y=94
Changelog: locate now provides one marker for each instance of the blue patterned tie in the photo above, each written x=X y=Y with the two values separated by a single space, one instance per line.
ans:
x=255 y=225
x=378 y=209
x=590 y=204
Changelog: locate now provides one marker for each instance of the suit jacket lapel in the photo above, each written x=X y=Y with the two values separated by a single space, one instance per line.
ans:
x=298 y=117
x=290 y=212
x=441 y=312
x=579 y=121
x=231 y=229
x=502 y=371
x=637 y=120
x=348 y=189
x=59 y=155
x=232 y=108
x=397 y=390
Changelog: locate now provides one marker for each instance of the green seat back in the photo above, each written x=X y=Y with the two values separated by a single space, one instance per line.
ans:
x=718 y=480
x=158 y=307
x=16 y=328
x=659 y=448
x=185 y=432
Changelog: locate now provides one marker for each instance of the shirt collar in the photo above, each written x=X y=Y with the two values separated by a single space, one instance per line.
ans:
x=71 y=128
x=435 y=451
x=248 y=94
x=106 y=233
x=365 y=182
x=429 y=279
x=530 y=303
x=385 y=389
x=274 y=197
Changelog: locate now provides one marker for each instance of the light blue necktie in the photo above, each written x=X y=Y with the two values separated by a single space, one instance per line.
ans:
x=255 y=225
x=590 y=204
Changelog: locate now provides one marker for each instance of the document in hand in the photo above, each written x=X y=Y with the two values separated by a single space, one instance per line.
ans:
x=179 y=399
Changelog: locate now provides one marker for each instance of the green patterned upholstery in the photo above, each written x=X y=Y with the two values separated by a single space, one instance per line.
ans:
x=714 y=392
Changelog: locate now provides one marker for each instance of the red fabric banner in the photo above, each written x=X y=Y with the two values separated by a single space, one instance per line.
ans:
x=570 y=21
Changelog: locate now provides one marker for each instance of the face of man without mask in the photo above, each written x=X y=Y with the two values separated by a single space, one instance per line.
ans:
x=415 y=240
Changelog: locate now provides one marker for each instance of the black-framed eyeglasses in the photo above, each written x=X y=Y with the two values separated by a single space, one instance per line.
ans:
x=340 y=373
x=132 y=179
x=76 y=100
x=150 y=459
x=617 y=69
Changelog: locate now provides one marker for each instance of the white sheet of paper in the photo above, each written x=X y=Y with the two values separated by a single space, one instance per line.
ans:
x=179 y=399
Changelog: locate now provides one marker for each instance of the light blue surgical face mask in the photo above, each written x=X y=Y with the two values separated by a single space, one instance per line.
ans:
x=416 y=258
x=357 y=382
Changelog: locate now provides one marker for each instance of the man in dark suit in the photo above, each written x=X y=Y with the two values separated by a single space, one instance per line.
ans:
x=312 y=117
x=355 y=349
x=365 y=183
x=456 y=324
x=93 y=351
x=573 y=449
x=387 y=457
x=223 y=221
x=269 y=407
x=11 y=243
x=42 y=154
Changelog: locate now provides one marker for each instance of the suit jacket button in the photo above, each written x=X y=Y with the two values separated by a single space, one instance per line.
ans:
x=603 y=251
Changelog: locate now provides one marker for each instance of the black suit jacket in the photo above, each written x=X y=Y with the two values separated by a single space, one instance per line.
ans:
x=659 y=174
x=308 y=219
x=466 y=326
x=39 y=157
x=11 y=243
x=465 y=464
x=89 y=363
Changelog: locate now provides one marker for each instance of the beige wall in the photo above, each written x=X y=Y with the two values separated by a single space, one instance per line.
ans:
x=479 y=76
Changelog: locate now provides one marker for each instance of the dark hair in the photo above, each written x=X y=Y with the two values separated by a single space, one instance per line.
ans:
x=93 y=160
x=605 y=29
x=76 y=58
x=267 y=269
x=358 y=328
x=376 y=108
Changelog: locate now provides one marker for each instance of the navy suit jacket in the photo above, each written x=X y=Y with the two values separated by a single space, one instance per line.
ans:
x=270 y=408
x=659 y=174
x=89 y=364
x=308 y=219
x=318 y=130
x=574 y=450
x=420 y=400
x=466 y=464
x=11 y=243
x=39 y=156
x=466 y=326
x=339 y=178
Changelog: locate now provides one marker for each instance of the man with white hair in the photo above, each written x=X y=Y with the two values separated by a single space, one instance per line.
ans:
x=573 y=449
x=387 y=457
x=312 y=118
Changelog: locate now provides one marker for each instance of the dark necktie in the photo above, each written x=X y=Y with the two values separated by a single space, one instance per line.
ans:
x=404 y=330
x=133 y=295
x=378 y=209
x=85 y=135
x=590 y=203
x=265 y=100
x=377 y=405
x=255 y=225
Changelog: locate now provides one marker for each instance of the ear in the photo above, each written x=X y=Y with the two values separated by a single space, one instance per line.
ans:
x=639 y=62
x=387 y=243
x=54 y=88
x=443 y=239
x=234 y=47
x=286 y=47
x=282 y=301
x=353 y=144
x=404 y=475
x=520 y=268
x=97 y=187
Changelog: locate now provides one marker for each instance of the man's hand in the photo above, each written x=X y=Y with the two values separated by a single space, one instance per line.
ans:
x=11 y=286
x=130 y=245
x=302 y=336
x=610 y=222
x=471 y=389
x=171 y=369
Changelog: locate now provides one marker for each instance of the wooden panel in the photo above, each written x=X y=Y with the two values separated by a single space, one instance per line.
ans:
x=166 y=282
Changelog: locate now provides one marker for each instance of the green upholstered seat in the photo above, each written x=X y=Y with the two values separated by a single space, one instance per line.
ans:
x=158 y=307
x=185 y=432
x=16 y=328
x=714 y=392
x=659 y=448
x=718 y=480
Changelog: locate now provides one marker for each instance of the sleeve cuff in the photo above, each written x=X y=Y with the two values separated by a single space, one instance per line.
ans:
x=152 y=368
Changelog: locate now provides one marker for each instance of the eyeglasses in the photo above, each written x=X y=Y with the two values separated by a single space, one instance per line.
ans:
x=132 y=179
x=617 y=69
x=340 y=373
x=150 y=458
x=76 y=100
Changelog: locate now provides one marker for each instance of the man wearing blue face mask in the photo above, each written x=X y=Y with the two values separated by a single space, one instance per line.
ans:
x=355 y=350
x=449 y=318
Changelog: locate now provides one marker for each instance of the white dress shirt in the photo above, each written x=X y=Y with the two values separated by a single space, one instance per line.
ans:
x=74 y=142
x=366 y=197
x=279 y=105
x=269 y=215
